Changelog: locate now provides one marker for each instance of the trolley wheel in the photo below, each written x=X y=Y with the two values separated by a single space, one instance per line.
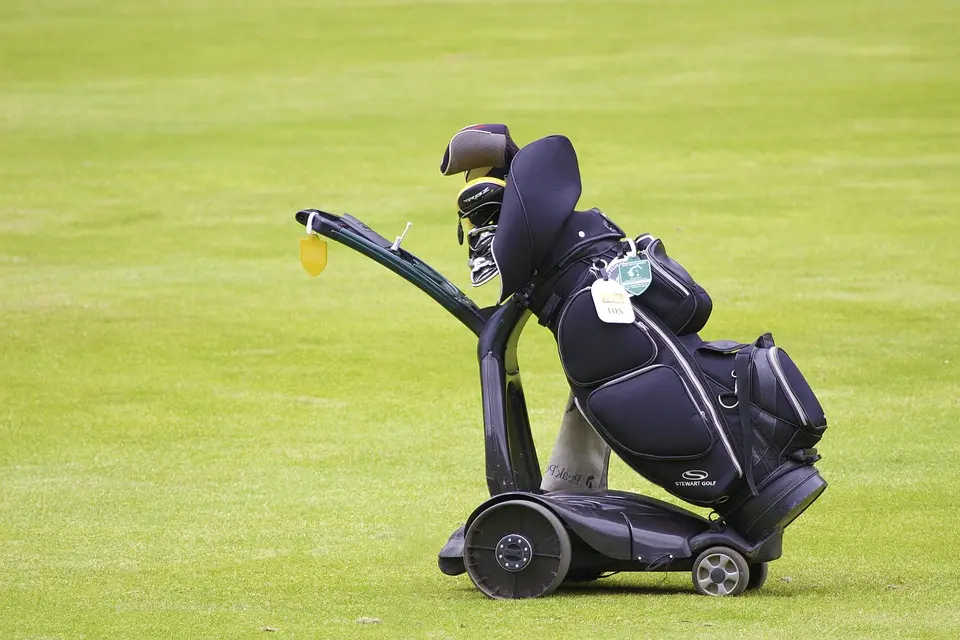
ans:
x=758 y=575
x=517 y=549
x=720 y=571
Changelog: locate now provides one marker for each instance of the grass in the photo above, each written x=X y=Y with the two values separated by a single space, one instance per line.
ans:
x=198 y=441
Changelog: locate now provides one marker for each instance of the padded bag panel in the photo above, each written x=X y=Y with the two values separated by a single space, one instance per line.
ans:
x=629 y=418
x=650 y=414
x=778 y=386
x=593 y=351
x=785 y=411
x=785 y=418
x=795 y=390
x=673 y=295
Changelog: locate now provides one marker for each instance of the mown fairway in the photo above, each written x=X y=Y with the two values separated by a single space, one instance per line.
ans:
x=199 y=441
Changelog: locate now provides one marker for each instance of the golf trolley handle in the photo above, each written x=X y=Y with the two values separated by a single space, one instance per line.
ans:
x=353 y=233
x=511 y=456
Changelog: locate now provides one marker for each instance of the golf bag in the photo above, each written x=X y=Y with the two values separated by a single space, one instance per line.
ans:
x=727 y=425
x=677 y=409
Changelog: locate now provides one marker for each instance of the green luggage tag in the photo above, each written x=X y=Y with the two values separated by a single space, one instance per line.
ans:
x=631 y=271
x=634 y=275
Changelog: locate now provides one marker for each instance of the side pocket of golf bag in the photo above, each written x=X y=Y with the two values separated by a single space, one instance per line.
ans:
x=592 y=351
x=639 y=389
x=782 y=411
x=673 y=296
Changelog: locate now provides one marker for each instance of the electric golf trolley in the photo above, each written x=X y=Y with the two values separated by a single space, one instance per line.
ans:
x=524 y=542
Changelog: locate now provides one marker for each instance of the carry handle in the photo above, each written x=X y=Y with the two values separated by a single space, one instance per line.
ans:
x=353 y=233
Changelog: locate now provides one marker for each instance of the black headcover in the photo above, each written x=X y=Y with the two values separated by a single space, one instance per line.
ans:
x=542 y=191
x=480 y=146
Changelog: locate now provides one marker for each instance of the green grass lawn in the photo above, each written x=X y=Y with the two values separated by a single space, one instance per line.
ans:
x=199 y=441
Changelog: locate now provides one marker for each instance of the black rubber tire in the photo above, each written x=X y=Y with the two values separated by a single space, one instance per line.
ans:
x=720 y=571
x=548 y=561
x=758 y=575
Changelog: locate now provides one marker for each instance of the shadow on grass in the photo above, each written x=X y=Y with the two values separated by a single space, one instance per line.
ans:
x=618 y=588
x=611 y=588
x=601 y=588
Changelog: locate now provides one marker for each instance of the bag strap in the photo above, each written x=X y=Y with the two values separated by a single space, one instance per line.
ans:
x=550 y=308
x=768 y=381
x=743 y=367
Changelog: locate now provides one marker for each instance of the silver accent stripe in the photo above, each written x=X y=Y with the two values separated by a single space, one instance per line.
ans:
x=791 y=396
x=699 y=387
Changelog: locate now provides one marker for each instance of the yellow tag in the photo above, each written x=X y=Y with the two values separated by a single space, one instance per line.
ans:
x=313 y=254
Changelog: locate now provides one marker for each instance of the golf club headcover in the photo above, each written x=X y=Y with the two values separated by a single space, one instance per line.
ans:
x=479 y=150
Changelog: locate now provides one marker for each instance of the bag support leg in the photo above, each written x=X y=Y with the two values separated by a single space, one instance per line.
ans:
x=580 y=458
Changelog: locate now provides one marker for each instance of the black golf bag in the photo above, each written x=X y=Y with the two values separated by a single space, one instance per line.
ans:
x=678 y=411
x=727 y=425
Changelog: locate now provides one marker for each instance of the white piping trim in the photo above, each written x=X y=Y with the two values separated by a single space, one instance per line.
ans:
x=774 y=360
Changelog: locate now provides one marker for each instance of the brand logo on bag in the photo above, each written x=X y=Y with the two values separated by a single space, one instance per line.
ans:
x=695 y=478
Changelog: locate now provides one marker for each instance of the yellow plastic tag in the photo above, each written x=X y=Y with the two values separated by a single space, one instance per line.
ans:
x=313 y=254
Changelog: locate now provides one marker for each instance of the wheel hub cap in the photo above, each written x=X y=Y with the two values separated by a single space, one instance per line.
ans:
x=718 y=575
x=514 y=552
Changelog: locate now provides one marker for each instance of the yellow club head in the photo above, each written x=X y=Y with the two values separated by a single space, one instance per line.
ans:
x=479 y=201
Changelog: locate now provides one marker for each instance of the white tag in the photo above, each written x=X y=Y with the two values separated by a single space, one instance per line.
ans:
x=612 y=302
